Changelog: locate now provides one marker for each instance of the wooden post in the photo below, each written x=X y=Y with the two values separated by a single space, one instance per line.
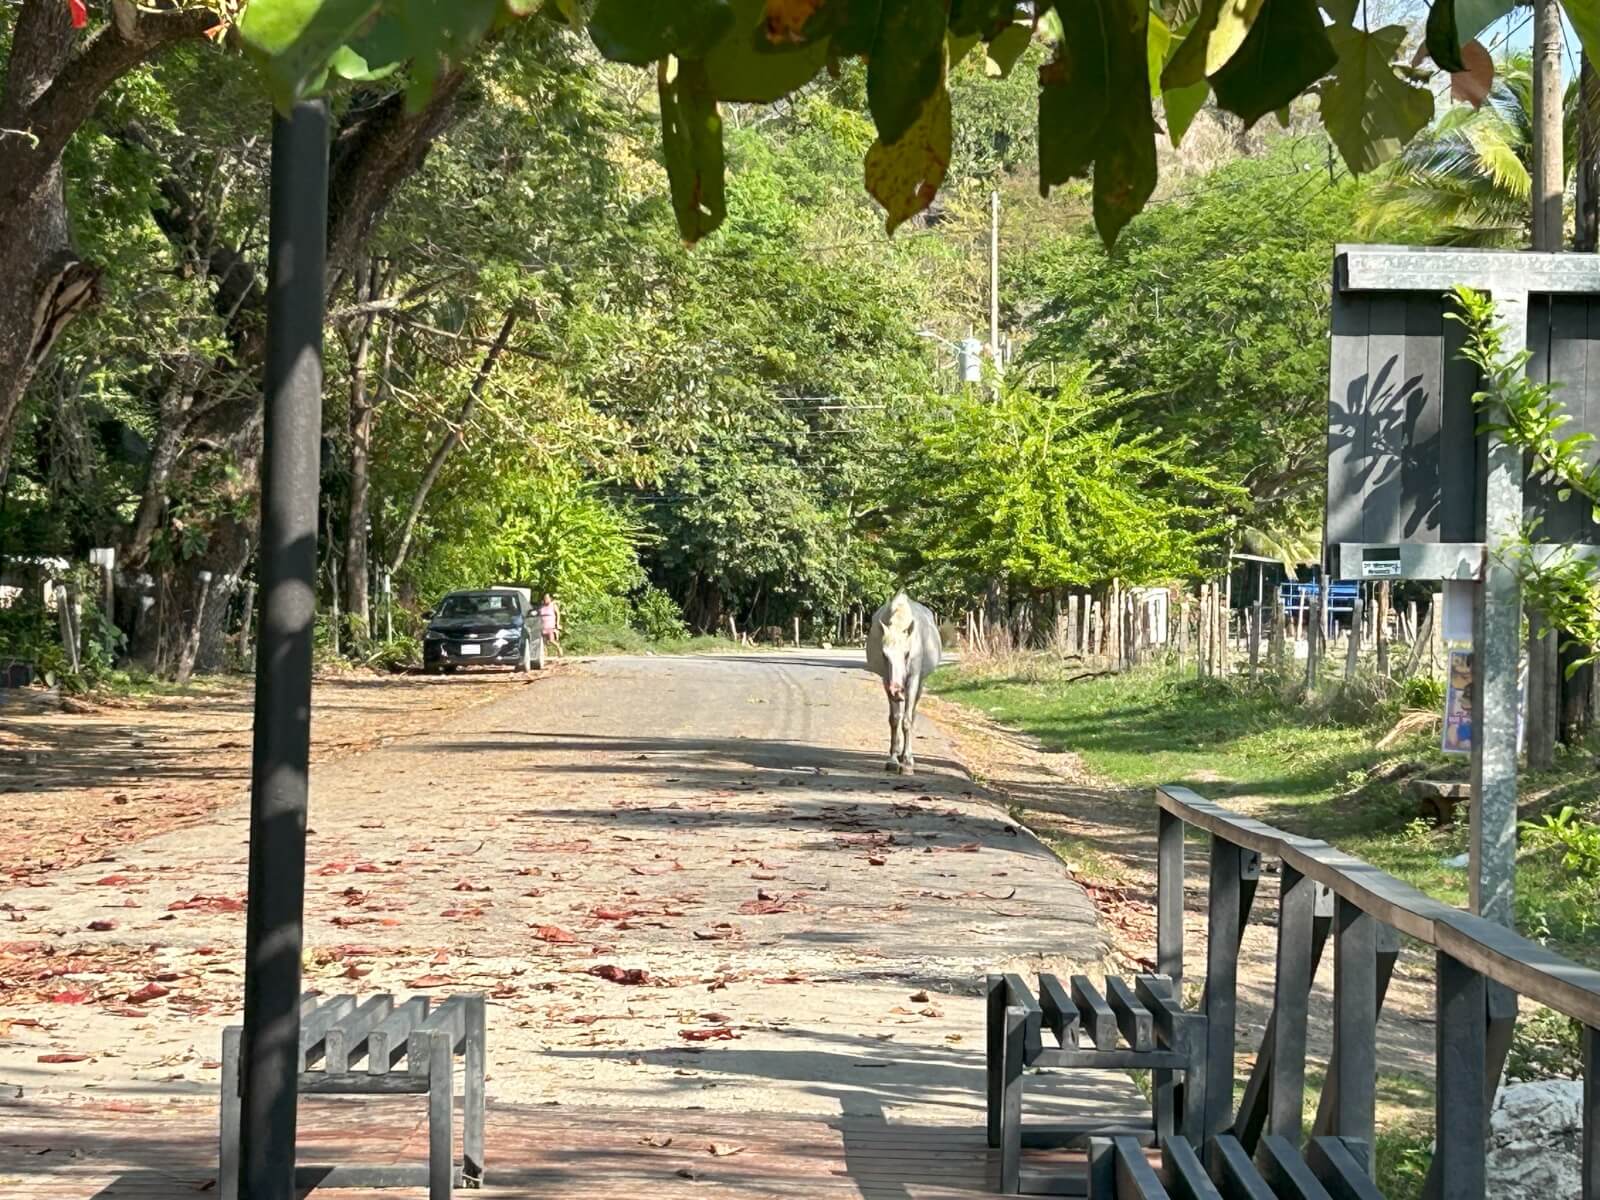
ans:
x=1278 y=631
x=1380 y=623
x=245 y=654
x=1202 y=626
x=1227 y=619
x=733 y=629
x=1353 y=647
x=1255 y=641
x=797 y=633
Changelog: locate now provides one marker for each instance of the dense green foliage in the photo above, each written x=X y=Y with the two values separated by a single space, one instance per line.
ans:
x=1213 y=316
x=530 y=380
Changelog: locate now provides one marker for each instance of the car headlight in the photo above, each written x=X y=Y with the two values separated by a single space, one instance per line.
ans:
x=433 y=635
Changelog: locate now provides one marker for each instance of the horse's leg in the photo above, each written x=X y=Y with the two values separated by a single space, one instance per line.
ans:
x=896 y=717
x=908 y=760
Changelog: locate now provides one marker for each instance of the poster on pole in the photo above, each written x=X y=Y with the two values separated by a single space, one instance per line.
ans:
x=1458 y=704
x=1457 y=737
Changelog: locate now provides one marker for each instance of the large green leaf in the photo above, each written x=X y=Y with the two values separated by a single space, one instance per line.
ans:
x=1187 y=65
x=746 y=66
x=1125 y=163
x=1585 y=18
x=1074 y=94
x=435 y=33
x=1370 y=112
x=1181 y=105
x=905 y=64
x=1007 y=46
x=1160 y=49
x=691 y=129
x=1453 y=23
x=1125 y=168
x=1442 y=37
x=645 y=31
x=1287 y=51
x=904 y=177
x=294 y=40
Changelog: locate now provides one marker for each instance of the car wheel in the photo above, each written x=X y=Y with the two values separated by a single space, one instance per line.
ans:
x=449 y=668
x=525 y=663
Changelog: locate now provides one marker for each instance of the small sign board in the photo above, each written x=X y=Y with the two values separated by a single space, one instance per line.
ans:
x=1380 y=562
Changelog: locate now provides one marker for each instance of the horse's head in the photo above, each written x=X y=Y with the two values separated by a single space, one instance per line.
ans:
x=898 y=626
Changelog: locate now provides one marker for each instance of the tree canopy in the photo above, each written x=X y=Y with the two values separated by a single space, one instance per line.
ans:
x=1111 y=61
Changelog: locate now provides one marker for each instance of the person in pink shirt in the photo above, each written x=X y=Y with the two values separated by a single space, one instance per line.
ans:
x=550 y=621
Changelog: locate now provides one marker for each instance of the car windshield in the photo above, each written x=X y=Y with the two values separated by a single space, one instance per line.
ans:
x=498 y=605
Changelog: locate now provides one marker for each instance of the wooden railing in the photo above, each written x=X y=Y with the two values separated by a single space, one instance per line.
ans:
x=1482 y=969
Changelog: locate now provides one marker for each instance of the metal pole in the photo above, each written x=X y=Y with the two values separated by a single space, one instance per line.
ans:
x=295 y=299
x=994 y=277
x=1497 y=640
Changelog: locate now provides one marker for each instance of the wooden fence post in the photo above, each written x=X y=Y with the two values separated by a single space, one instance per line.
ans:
x=1460 y=1053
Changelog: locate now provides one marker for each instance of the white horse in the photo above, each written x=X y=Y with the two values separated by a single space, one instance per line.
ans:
x=903 y=648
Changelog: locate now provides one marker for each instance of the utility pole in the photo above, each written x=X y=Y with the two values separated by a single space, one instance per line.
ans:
x=1548 y=178
x=994 y=270
x=1549 y=228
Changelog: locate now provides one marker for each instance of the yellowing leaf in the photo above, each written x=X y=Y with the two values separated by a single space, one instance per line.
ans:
x=1234 y=19
x=1006 y=48
x=905 y=176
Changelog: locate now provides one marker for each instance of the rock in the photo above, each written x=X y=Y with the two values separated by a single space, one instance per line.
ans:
x=1437 y=799
x=1458 y=863
x=1535 y=1131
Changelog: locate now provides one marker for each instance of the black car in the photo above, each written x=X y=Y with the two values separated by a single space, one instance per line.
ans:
x=491 y=627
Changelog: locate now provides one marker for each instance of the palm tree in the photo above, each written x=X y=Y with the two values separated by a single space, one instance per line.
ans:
x=1466 y=181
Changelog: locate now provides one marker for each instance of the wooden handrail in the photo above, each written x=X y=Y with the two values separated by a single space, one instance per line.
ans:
x=1494 y=951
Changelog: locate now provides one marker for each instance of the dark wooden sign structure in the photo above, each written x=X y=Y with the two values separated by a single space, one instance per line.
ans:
x=1422 y=486
x=1404 y=451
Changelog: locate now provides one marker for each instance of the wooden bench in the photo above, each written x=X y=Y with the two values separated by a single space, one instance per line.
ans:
x=1331 y=1168
x=1137 y=1027
x=380 y=1047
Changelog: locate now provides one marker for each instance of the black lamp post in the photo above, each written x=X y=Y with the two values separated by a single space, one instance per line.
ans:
x=288 y=562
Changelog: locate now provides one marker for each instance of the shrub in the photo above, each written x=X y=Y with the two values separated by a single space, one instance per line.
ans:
x=657 y=615
x=1422 y=692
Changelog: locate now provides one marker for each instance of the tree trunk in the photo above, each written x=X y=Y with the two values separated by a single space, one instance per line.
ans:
x=54 y=77
x=452 y=439
x=370 y=285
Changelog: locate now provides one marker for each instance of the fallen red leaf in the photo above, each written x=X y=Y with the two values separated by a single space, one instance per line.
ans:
x=555 y=934
x=619 y=975
x=466 y=885
x=103 y=926
x=217 y=904
x=64 y=1058
x=606 y=913
x=720 y=1034
x=430 y=981
x=150 y=991
x=657 y=868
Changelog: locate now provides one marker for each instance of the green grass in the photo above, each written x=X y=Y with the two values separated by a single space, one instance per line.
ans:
x=593 y=638
x=1311 y=769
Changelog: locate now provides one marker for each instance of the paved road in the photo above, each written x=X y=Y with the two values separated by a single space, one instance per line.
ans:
x=803 y=932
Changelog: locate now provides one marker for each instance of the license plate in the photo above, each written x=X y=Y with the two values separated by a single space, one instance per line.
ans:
x=471 y=648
